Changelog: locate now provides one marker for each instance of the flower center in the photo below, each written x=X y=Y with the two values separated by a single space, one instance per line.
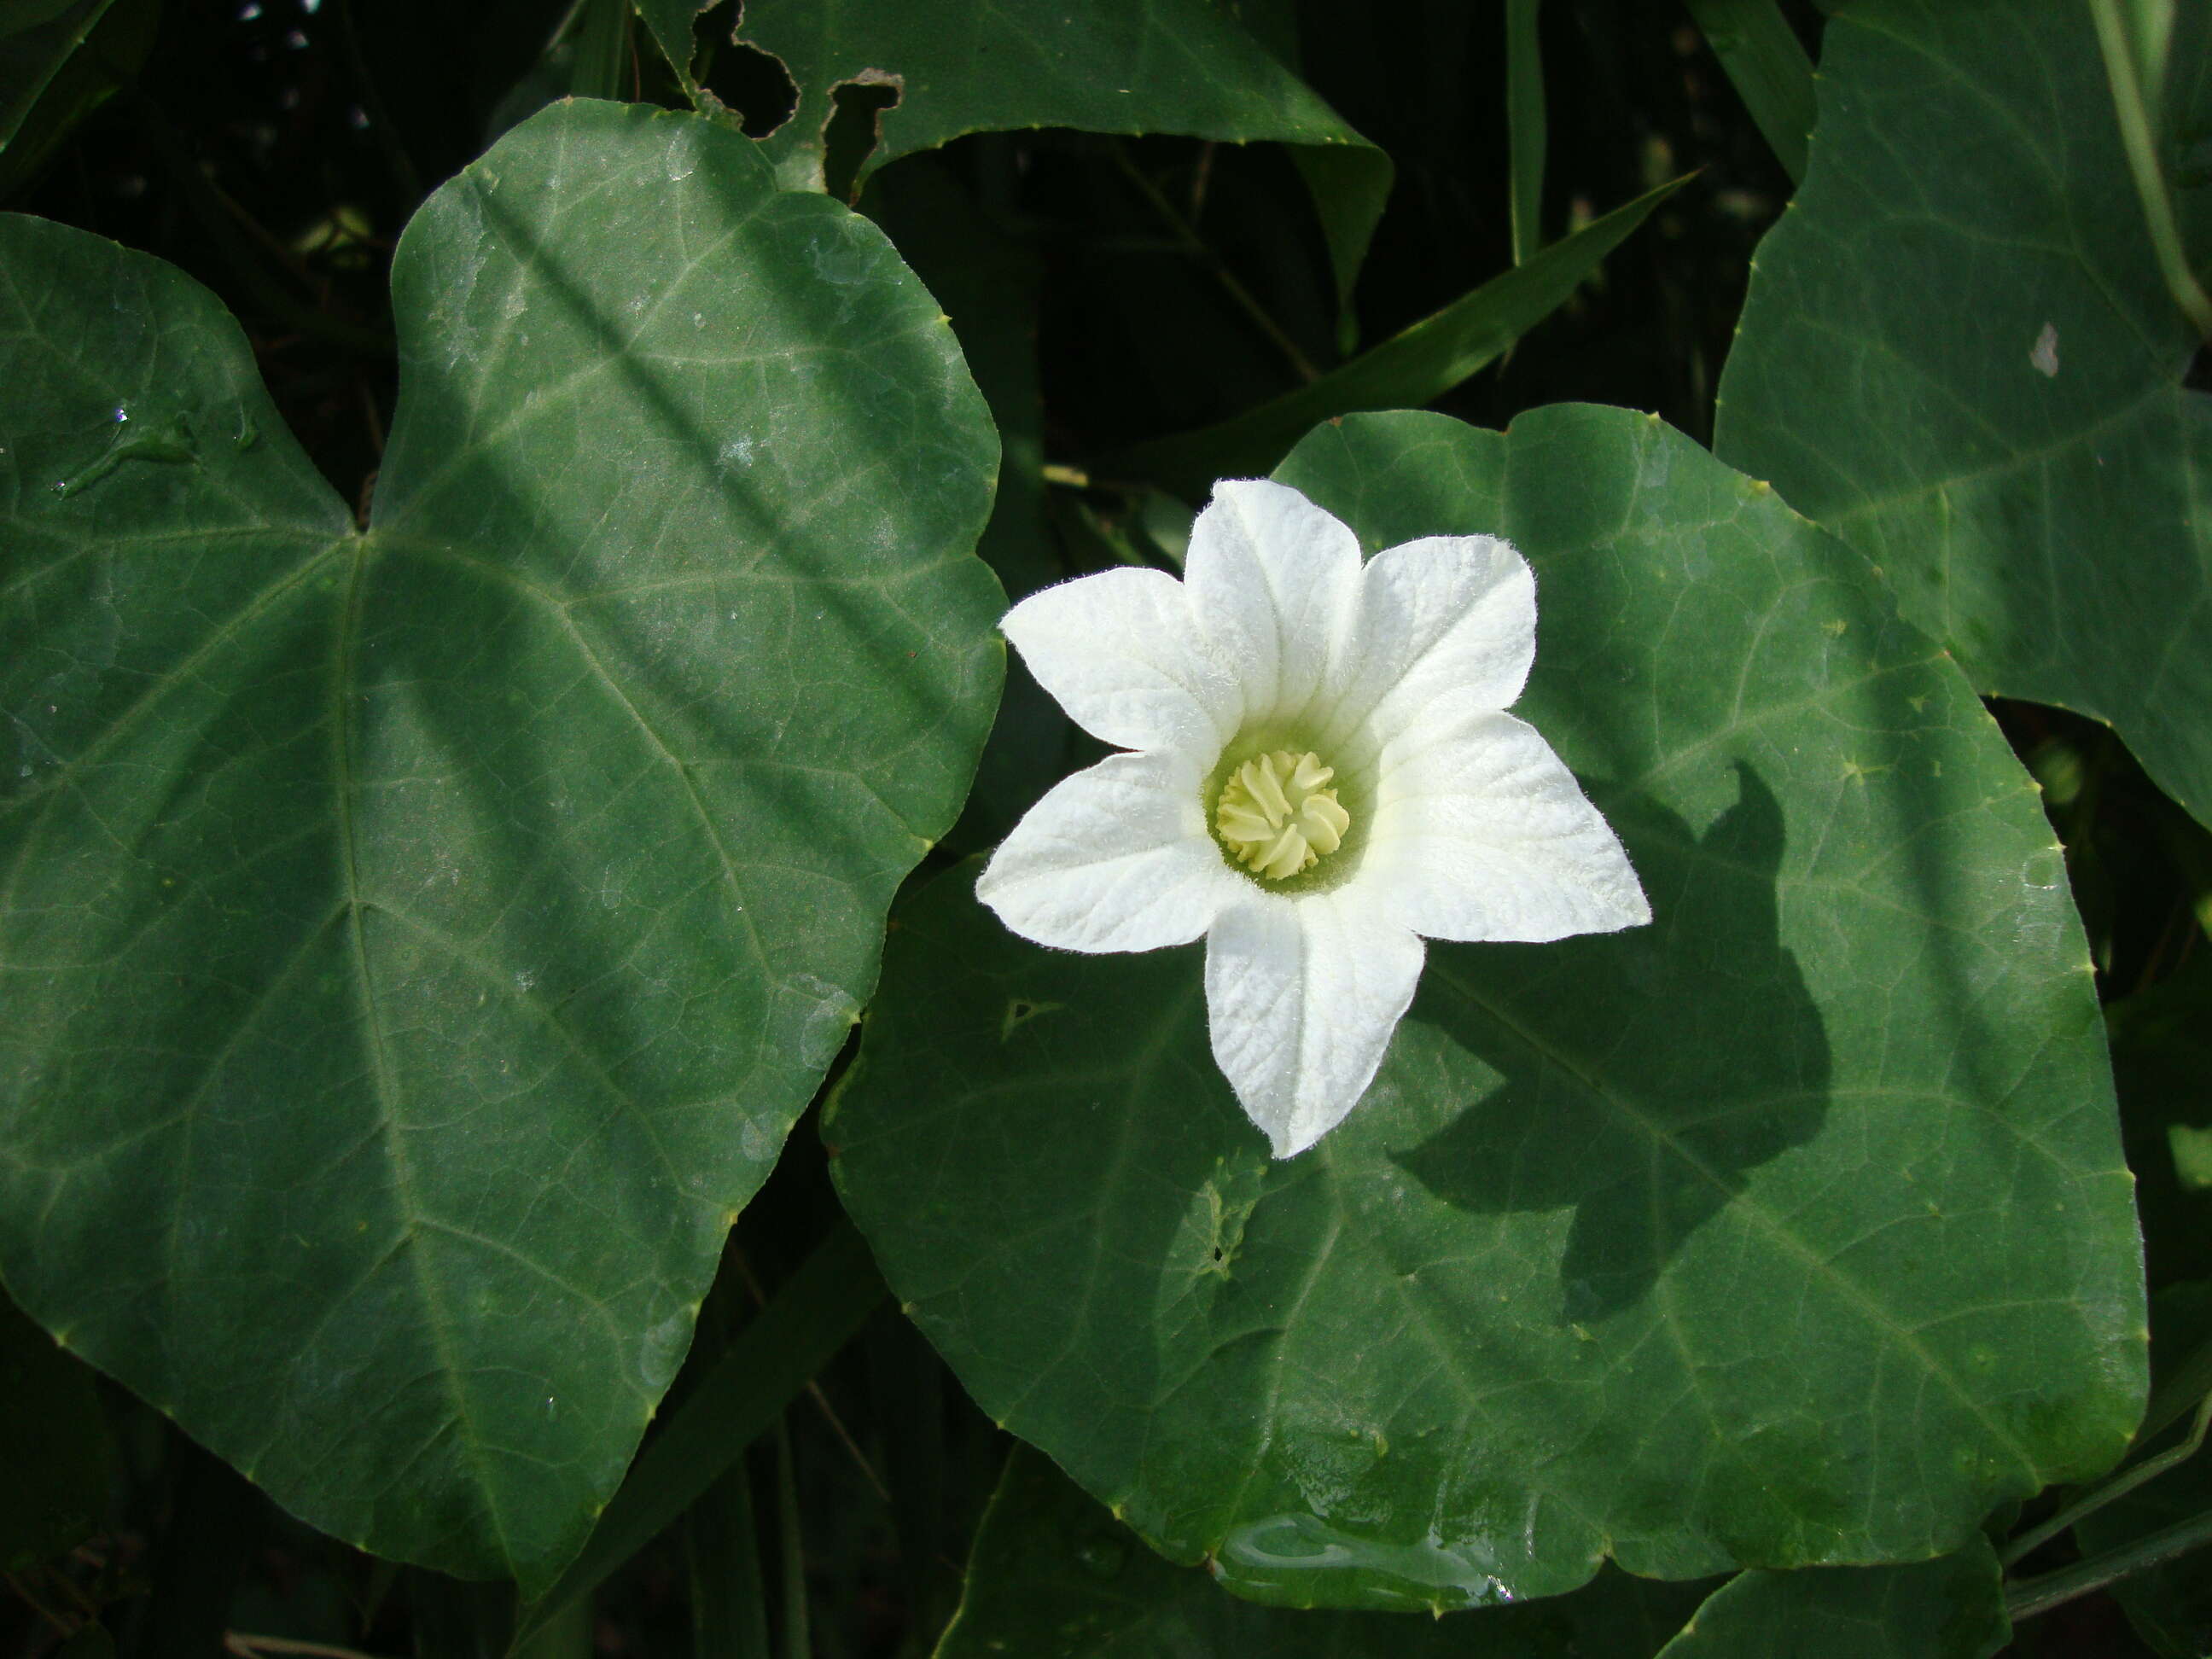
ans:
x=1277 y=815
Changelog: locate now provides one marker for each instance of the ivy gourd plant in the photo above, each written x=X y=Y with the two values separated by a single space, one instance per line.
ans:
x=1555 y=1004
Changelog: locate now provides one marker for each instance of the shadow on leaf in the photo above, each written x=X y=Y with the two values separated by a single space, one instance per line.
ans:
x=1628 y=1096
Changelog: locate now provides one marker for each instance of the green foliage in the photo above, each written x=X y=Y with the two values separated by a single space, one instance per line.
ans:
x=1415 y=366
x=1767 y=63
x=1524 y=104
x=749 y=1384
x=2171 y=1606
x=2162 y=1058
x=1975 y=373
x=1182 y=66
x=1587 y=1274
x=1949 y=1608
x=59 y=61
x=419 y=939
x=1054 y=1576
x=498 y=561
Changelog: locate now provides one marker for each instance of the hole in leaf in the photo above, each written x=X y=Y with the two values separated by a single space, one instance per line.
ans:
x=753 y=82
x=1020 y=1011
x=855 y=128
x=714 y=24
x=2199 y=377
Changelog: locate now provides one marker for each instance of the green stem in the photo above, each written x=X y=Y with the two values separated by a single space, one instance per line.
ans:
x=2185 y=1385
x=1524 y=122
x=2141 y=146
x=2030 y=1597
x=2119 y=1487
x=797 y=1644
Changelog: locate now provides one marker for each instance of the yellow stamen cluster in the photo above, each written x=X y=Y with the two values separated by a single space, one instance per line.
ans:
x=1277 y=815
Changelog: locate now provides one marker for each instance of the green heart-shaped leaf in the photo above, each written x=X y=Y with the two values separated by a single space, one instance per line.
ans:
x=1791 y=1229
x=417 y=942
x=1974 y=371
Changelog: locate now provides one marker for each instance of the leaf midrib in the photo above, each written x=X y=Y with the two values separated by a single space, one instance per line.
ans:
x=345 y=784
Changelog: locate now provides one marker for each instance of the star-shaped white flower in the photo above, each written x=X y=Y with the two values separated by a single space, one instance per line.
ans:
x=1321 y=772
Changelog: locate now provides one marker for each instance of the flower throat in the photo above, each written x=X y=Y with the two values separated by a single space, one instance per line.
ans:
x=1277 y=815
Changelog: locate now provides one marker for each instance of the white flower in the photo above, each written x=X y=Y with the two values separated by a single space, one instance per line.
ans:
x=1322 y=773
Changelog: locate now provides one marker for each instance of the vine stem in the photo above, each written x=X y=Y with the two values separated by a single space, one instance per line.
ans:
x=2141 y=146
x=2030 y=1597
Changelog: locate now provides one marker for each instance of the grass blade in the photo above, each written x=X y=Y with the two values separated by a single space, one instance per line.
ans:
x=1404 y=371
x=1768 y=65
x=1524 y=117
x=797 y=1644
x=729 y=1602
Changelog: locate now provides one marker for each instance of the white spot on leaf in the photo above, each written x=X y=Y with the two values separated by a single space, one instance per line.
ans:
x=2044 y=354
x=661 y=1351
x=812 y=1019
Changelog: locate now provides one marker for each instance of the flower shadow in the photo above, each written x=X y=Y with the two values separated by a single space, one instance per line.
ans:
x=1646 y=1073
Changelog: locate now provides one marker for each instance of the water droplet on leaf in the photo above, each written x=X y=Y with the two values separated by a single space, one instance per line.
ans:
x=171 y=442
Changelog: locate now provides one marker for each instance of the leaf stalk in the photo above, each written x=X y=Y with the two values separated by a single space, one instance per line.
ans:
x=2028 y=1597
x=2131 y=106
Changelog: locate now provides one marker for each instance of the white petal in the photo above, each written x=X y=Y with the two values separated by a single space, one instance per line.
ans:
x=1301 y=997
x=1119 y=652
x=1444 y=615
x=1274 y=587
x=1480 y=832
x=1116 y=857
